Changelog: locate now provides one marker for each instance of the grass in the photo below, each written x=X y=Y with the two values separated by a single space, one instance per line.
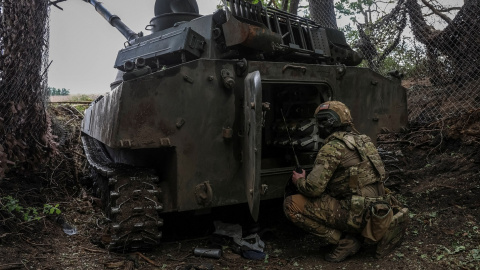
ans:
x=74 y=98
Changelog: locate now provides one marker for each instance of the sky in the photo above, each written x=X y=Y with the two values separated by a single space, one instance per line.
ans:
x=83 y=45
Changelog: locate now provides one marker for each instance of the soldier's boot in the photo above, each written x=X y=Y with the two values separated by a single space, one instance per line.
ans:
x=347 y=246
x=394 y=235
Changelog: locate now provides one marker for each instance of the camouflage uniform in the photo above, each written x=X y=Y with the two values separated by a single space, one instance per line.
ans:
x=346 y=177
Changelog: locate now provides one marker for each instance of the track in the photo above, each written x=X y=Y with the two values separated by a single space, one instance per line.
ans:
x=130 y=198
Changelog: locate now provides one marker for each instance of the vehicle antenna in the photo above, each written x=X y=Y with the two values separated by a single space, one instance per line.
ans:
x=298 y=168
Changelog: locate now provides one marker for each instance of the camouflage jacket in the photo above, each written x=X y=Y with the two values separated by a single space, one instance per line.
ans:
x=343 y=166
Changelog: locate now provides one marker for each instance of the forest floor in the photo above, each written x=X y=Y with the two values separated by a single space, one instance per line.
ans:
x=434 y=171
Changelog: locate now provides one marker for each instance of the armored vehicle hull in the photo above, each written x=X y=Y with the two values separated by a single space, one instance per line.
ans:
x=204 y=127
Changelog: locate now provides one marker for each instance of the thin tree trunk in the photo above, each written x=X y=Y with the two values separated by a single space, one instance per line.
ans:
x=285 y=5
x=294 y=6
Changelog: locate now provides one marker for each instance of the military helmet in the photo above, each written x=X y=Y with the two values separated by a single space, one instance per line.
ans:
x=334 y=114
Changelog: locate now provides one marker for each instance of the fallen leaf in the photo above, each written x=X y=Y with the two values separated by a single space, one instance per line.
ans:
x=448 y=231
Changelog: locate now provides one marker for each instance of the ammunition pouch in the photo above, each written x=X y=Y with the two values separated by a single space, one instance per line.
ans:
x=395 y=232
x=377 y=221
x=370 y=214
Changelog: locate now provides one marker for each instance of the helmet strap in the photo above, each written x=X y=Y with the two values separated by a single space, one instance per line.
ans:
x=354 y=129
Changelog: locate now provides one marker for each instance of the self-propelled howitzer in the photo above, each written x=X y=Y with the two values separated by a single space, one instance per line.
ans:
x=194 y=117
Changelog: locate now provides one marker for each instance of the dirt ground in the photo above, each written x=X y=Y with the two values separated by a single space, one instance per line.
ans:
x=434 y=170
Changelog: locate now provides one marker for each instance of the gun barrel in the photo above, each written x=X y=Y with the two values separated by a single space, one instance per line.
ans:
x=114 y=20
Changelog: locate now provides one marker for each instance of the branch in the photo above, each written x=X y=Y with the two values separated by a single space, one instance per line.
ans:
x=46 y=69
x=449 y=9
x=274 y=4
x=389 y=49
x=364 y=13
x=146 y=259
x=421 y=30
x=391 y=15
x=94 y=250
x=436 y=12
x=54 y=3
x=444 y=10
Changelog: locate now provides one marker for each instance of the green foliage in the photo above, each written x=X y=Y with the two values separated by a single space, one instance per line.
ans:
x=81 y=108
x=274 y=3
x=369 y=14
x=354 y=8
x=81 y=97
x=26 y=214
x=343 y=7
x=10 y=204
x=475 y=254
x=49 y=209
x=52 y=91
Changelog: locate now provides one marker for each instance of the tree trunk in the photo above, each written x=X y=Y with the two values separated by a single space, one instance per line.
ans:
x=294 y=6
x=459 y=42
x=23 y=45
x=323 y=12
x=285 y=5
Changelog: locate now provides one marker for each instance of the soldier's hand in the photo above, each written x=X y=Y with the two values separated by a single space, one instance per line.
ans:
x=296 y=176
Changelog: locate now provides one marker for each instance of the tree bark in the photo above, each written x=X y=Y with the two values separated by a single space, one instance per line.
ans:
x=294 y=6
x=285 y=5
x=23 y=43
x=459 y=41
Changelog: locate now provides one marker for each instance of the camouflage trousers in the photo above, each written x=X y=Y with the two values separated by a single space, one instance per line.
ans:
x=323 y=216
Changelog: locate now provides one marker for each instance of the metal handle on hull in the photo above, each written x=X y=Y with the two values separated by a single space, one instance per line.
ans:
x=302 y=68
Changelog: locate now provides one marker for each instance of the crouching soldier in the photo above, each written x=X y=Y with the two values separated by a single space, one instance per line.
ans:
x=343 y=200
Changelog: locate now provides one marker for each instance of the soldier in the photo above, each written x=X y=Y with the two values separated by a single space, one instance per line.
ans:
x=343 y=200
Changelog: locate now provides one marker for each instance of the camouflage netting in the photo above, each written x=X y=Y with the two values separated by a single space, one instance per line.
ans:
x=442 y=67
x=435 y=43
x=24 y=135
x=449 y=79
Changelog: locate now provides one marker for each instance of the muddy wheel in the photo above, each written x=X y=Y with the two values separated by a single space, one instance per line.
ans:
x=130 y=198
x=135 y=203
